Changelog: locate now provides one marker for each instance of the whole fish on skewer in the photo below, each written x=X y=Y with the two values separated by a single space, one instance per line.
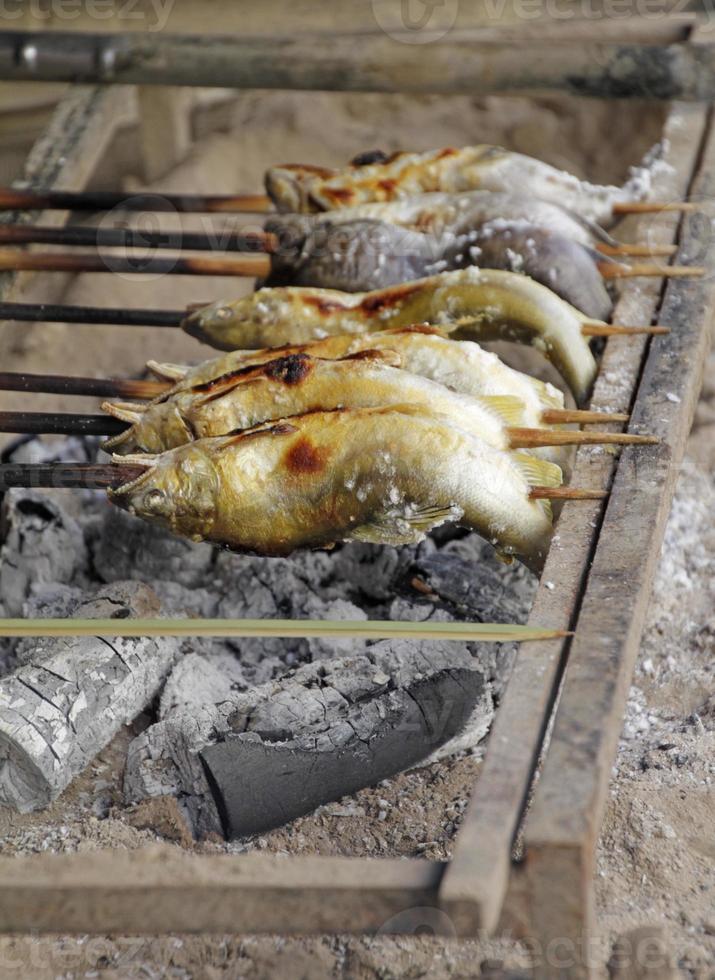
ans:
x=380 y=177
x=297 y=383
x=386 y=475
x=364 y=254
x=477 y=304
x=463 y=366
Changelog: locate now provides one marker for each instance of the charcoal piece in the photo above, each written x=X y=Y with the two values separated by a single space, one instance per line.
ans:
x=41 y=543
x=70 y=696
x=258 y=785
x=358 y=719
x=471 y=590
x=132 y=549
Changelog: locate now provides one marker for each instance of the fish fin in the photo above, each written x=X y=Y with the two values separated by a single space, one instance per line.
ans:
x=537 y=471
x=549 y=396
x=167 y=371
x=124 y=411
x=509 y=408
x=395 y=529
x=390 y=358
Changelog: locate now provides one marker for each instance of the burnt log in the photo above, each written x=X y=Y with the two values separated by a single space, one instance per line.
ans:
x=69 y=696
x=244 y=762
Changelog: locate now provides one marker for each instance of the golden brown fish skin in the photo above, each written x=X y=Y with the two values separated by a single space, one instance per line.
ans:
x=471 y=304
x=325 y=477
x=298 y=187
x=298 y=383
x=461 y=365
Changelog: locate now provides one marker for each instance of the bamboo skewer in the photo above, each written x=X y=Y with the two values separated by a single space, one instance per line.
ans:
x=65 y=423
x=59 y=423
x=81 y=235
x=247 y=265
x=99 y=476
x=107 y=316
x=520 y=438
x=564 y=493
x=11 y=199
x=615 y=270
x=281 y=628
x=22 y=200
x=67 y=476
x=61 y=384
x=596 y=329
x=654 y=207
x=52 y=313
x=249 y=240
x=638 y=250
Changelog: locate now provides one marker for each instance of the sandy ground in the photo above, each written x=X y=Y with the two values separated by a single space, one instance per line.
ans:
x=657 y=851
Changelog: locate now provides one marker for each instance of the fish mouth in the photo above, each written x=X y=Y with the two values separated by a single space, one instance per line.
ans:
x=133 y=463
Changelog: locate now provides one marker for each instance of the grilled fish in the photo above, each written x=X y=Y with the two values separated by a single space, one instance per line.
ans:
x=461 y=365
x=376 y=177
x=298 y=383
x=387 y=475
x=363 y=254
x=476 y=304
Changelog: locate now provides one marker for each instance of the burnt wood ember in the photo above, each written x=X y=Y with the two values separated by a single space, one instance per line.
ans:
x=69 y=697
x=40 y=543
x=242 y=763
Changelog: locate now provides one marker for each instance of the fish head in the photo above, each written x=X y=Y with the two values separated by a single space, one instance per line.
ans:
x=157 y=428
x=210 y=324
x=179 y=491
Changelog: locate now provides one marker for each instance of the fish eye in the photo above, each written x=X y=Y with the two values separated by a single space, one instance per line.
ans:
x=154 y=499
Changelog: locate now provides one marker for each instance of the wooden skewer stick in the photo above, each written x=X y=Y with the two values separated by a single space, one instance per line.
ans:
x=81 y=235
x=74 y=476
x=11 y=199
x=247 y=265
x=67 y=476
x=372 y=629
x=596 y=329
x=653 y=207
x=637 y=250
x=65 y=423
x=62 y=384
x=566 y=493
x=529 y=438
x=59 y=423
x=553 y=416
x=54 y=313
x=614 y=270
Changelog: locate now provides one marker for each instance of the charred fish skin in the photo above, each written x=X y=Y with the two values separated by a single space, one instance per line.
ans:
x=462 y=365
x=296 y=187
x=298 y=383
x=360 y=255
x=475 y=304
x=387 y=475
